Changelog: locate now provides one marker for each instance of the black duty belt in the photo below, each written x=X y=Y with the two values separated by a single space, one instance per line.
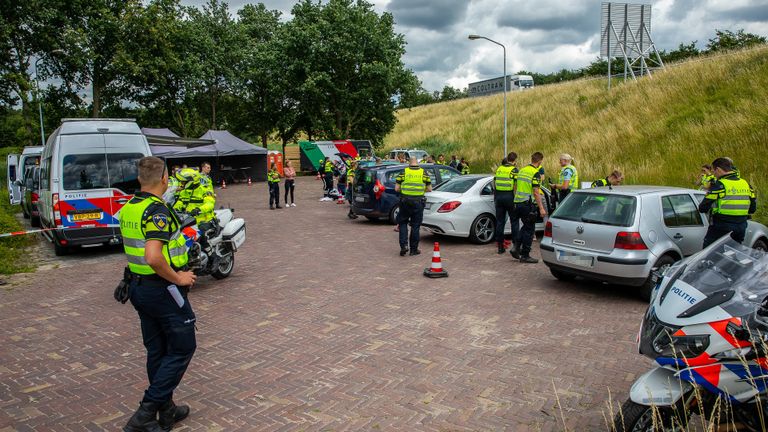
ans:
x=149 y=278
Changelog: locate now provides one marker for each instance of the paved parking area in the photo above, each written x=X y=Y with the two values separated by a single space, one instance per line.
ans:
x=323 y=327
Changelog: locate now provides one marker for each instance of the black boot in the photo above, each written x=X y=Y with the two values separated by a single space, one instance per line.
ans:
x=501 y=247
x=515 y=251
x=144 y=419
x=171 y=413
x=403 y=251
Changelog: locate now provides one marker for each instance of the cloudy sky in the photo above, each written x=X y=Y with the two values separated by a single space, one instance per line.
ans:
x=541 y=36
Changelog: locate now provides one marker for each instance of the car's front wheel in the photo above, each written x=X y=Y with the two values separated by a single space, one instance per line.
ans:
x=483 y=229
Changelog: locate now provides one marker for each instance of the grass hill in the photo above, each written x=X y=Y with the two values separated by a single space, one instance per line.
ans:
x=657 y=130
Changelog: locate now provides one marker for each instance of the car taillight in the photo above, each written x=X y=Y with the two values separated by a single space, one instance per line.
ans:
x=548 y=229
x=629 y=241
x=378 y=189
x=56 y=212
x=449 y=206
x=35 y=197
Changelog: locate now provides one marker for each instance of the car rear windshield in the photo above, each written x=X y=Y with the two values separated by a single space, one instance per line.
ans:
x=457 y=185
x=89 y=171
x=603 y=209
x=85 y=171
x=363 y=177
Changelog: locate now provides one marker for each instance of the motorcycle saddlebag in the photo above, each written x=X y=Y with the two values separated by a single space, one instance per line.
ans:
x=234 y=232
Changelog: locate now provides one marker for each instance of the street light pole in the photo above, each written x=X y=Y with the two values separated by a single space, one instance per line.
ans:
x=39 y=100
x=39 y=104
x=474 y=37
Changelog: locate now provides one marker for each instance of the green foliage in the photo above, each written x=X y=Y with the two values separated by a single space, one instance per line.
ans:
x=14 y=251
x=728 y=40
x=698 y=111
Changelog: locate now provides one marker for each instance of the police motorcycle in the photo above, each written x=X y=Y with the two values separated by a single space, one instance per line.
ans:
x=706 y=329
x=211 y=252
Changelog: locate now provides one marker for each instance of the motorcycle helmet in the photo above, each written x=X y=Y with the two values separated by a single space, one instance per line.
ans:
x=188 y=177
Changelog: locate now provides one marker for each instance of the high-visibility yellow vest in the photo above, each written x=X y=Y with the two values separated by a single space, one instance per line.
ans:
x=600 y=183
x=504 y=181
x=204 y=200
x=134 y=241
x=273 y=176
x=465 y=169
x=328 y=167
x=736 y=199
x=413 y=182
x=574 y=182
x=525 y=183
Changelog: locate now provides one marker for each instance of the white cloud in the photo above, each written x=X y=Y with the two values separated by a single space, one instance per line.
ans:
x=542 y=36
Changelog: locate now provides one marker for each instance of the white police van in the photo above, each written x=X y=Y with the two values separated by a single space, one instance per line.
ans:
x=17 y=168
x=88 y=172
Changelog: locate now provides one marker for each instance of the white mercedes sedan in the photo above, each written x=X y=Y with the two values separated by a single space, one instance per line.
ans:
x=463 y=207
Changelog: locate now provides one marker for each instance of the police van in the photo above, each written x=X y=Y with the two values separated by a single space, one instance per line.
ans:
x=88 y=172
x=18 y=166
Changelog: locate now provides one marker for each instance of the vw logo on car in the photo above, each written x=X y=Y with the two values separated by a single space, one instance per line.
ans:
x=580 y=229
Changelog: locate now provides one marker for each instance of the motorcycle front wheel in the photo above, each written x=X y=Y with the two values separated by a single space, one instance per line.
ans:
x=225 y=267
x=634 y=417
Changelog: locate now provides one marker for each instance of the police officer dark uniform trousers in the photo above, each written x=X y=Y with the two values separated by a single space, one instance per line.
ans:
x=411 y=184
x=527 y=199
x=156 y=253
x=504 y=198
x=731 y=200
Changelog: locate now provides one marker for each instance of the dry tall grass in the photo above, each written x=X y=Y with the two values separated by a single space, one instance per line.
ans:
x=657 y=130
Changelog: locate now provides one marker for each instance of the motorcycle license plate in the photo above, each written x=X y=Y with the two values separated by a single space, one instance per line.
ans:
x=360 y=198
x=576 y=259
x=79 y=217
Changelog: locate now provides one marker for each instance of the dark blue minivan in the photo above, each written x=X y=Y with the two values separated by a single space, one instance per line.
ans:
x=373 y=193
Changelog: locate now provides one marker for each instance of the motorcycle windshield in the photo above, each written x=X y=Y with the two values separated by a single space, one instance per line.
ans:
x=722 y=281
x=170 y=195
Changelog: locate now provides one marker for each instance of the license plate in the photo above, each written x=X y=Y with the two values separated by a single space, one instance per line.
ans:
x=575 y=259
x=85 y=216
x=360 y=198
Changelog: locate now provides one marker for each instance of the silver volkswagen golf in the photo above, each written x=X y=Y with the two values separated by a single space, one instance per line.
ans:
x=621 y=234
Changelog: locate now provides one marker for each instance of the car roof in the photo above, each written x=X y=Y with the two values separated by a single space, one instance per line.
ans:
x=636 y=190
x=32 y=150
x=71 y=126
x=385 y=166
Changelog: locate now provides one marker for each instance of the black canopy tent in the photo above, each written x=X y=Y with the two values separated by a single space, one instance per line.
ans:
x=231 y=158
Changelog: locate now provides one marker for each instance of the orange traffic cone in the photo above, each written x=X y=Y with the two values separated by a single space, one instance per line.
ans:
x=223 y=184
x=249 y=181
x=436 y=271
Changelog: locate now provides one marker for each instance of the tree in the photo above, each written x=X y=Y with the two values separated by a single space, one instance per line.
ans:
x=27 y=32
x=92 y=42
x=413 y=94
x=450 y=93
x=728 y=40
x=162 y=71
x=682 y=52
x=259 y=76
x=351 y=67
x=217 y=46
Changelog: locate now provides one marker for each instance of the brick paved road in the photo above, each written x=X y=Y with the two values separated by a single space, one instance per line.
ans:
x=322 y=326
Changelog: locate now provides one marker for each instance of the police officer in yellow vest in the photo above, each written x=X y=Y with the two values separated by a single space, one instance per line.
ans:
x=205 y=178
x=504 y=198
x=327 y=168
x=157 y=254
x=411 y=184
x=527 y=199
x=568 y=179
x=731 y=200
